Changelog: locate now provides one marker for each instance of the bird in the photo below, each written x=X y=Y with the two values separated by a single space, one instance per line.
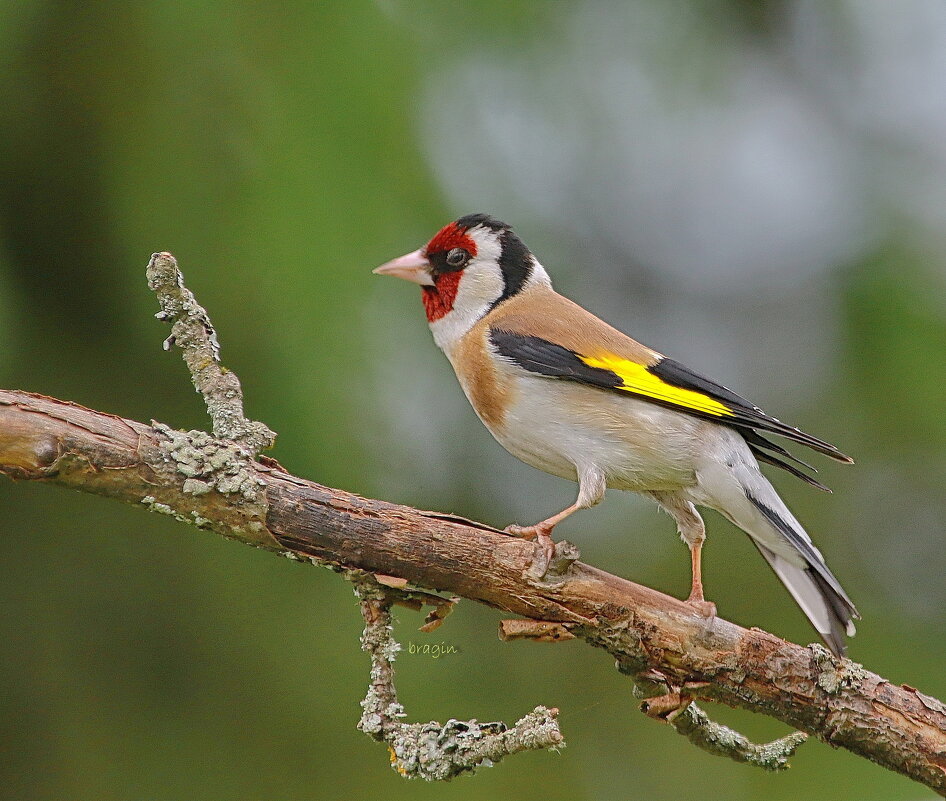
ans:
x=567 y=393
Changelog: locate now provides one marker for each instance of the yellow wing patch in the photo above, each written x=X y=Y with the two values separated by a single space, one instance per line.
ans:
x=637 y=379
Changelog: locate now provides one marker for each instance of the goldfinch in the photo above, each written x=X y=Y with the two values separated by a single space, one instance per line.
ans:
x=565 y=392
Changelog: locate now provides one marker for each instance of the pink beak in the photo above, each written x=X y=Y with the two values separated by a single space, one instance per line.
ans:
x=411 y=267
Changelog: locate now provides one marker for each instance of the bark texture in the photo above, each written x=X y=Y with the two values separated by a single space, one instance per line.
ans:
x=655 y=638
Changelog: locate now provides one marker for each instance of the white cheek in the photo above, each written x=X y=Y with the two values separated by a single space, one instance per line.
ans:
x=479 y=288
x=482 y=282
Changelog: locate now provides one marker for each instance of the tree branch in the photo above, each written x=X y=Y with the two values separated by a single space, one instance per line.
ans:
x=672 y=656
x=648 y=633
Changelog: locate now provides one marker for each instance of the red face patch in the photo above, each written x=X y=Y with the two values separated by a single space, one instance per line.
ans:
x=438 y=299
x=449 y=237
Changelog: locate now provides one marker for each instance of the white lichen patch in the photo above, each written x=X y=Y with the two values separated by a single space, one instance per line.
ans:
x=439 y=752
x=834 y=674
x=163 y=509
x=210 y=464
x=194 y=486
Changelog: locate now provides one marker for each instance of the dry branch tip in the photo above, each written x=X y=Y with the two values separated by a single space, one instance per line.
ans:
x=193 y=333
x=433 y=751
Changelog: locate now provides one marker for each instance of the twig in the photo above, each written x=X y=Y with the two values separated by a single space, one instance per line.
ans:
x=434 y=751
x=193 y=333
x=694 y=724
x=675 y=706
x=538 y=630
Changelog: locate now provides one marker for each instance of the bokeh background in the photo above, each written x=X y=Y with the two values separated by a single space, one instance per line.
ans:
x=756 y=188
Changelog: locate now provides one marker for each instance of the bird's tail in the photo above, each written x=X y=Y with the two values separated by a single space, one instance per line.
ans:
x=802 y=569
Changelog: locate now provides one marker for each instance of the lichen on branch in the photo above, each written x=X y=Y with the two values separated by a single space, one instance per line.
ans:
x=433 y=751
x=193 y=333
x=694 y=724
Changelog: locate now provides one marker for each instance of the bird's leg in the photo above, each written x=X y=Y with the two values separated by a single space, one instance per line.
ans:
x=696 y=585
x=696 y=599
x=591 y=488
x=693 y=532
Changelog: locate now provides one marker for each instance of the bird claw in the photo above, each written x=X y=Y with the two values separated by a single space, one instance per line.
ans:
x=545 y=551
x=542 y=556
x=702 y=607
x=525 y=532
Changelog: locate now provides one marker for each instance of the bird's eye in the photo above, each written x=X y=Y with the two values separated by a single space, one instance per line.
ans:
x=457 y=257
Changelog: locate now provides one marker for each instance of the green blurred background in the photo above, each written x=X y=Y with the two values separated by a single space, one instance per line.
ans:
x=756 y=188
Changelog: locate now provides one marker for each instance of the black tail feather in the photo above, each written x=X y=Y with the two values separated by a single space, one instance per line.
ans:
x=757 y=443
x=841 y=610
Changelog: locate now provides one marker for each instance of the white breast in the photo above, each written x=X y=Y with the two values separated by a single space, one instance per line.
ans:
x=556 y=425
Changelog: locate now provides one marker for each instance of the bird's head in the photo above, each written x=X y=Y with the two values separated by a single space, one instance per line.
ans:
x=465 y=270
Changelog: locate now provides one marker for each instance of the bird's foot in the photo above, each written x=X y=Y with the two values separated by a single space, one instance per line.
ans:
x=526 y=532
x=701 y=606
x=542 y=535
